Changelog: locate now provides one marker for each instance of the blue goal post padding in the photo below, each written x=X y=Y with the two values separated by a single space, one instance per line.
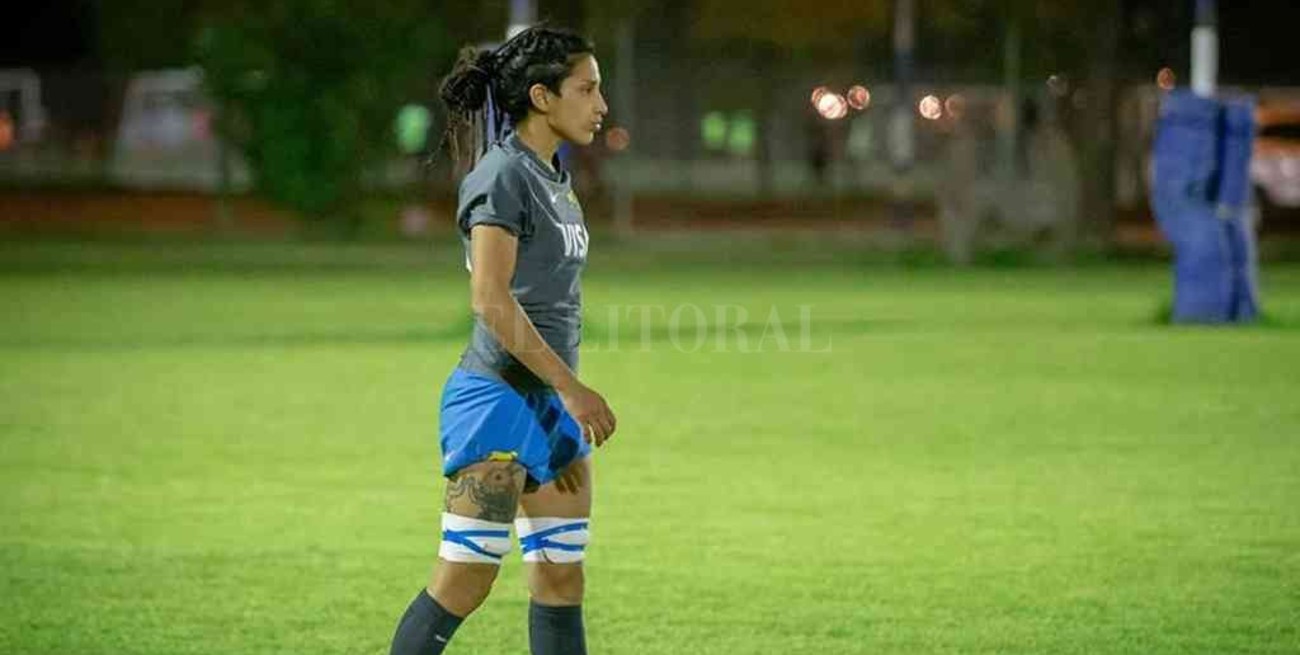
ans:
x=1201 y=195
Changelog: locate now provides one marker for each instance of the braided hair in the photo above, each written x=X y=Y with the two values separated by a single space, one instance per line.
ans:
x=487 y=90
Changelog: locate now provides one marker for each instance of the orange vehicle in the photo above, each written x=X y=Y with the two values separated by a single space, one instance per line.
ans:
x=1275 y=164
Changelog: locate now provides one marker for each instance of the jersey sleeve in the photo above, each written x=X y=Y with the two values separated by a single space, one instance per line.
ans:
x=499 y=198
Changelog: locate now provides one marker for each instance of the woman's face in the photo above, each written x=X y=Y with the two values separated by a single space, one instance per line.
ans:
x=576 y=114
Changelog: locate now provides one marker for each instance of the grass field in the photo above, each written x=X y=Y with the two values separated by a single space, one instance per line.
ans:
x=238 y=456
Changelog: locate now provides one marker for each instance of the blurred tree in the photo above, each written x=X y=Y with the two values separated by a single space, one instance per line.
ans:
x=309 y=89
x=829 y=26
x=1100 y=120
x=475 y=21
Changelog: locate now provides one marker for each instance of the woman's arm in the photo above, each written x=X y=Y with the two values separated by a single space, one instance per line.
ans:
x=493 y=251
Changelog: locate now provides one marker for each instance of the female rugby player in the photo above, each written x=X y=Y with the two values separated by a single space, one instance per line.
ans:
x=516 y=423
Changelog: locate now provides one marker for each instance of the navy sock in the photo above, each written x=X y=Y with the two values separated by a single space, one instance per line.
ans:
x=556 y=630
x=425 y=629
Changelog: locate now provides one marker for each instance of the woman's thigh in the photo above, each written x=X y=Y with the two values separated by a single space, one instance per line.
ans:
x=488 y=491
x=549 y=501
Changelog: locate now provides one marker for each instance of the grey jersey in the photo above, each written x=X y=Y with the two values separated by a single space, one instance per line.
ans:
x=510 y=187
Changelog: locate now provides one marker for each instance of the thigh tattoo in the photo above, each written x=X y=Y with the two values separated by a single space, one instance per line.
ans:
x=494 y=491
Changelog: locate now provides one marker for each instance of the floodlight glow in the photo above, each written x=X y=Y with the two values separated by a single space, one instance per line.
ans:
x=743 y=134
x=817 y=94
x=713 y=129
x=832 y=106
x=412 y=127
x=930 y=108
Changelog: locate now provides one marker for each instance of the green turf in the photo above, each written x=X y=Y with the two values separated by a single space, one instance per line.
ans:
x=241 y=459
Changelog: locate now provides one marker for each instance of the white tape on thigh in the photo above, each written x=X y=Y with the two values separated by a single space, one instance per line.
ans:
x=556 y=540
x=471 y=540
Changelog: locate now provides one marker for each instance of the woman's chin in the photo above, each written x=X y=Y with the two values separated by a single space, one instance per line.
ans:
x=583 y=138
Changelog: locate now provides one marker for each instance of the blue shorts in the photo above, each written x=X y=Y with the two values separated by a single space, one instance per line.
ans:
x=485 y=419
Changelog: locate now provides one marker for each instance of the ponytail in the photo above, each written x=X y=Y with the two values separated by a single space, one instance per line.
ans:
x=472 y=117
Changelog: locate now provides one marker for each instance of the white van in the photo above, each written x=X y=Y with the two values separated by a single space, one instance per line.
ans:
x=166 y=138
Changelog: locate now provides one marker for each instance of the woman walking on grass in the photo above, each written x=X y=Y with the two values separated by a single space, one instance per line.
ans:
x=516 y=424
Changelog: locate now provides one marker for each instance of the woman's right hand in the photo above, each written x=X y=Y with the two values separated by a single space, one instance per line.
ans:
x=590 y=410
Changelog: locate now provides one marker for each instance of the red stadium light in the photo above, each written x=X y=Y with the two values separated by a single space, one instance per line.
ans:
x=859 y=97
x=618 y=139
x=1166 y=79
x=6 y=131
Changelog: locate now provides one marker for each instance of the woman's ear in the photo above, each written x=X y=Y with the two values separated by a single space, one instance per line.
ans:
x=540 y=96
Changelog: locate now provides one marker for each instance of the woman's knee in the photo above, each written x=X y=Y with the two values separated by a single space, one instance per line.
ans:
x=556 y=584
x=460 y=587
x=480 y=504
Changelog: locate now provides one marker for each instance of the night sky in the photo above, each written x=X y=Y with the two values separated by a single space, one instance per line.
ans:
x=1257 y=38
x=55 y=34
x=1257 y=42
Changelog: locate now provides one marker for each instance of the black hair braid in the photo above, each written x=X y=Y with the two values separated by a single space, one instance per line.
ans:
x=465 y=94
x=538 y=55
x=465 y=90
